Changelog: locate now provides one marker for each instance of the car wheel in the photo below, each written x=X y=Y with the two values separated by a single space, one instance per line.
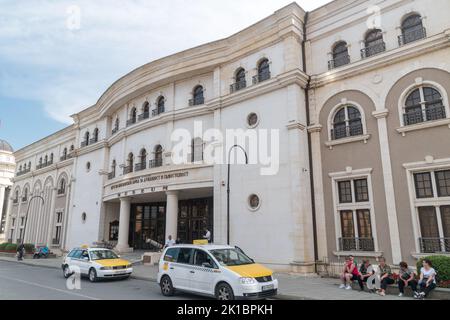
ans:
x=93 y=275
x=167 y=287
x=66 y=272
x=224 y=292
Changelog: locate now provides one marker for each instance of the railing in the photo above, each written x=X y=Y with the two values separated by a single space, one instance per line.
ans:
x=434 y=245
x=144 y=116
x=114 y=131
x=373 y=50
x=23 y=172
x=431 y=113
x=111 y=175
x=158 y=111
x=131 y=122
x=412 y=35
x=155 y=163
x=61 y=192
x=44 y=165
x=93 y=140
x=196 y=102
x=140 y=166
x=263 y=76
x=127 y=170
x=357 y=244
x=84 y=144
x=347 y=131
x=63 y=158
x=238 y=86
x=338 y=62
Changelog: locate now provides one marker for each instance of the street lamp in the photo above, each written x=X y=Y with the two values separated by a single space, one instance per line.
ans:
x=228 y=187
x=26 y=217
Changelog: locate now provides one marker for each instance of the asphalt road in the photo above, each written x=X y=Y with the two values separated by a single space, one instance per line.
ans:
x=22 y=282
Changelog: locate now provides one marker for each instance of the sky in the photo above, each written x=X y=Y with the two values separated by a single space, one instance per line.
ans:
x=58 y=57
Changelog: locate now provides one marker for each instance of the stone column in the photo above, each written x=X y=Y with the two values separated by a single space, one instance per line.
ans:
x=124 y=225
x=172 y=214
x=394 y=234
x=53 y=195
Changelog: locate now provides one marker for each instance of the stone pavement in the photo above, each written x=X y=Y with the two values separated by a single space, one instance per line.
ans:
x=291 y=287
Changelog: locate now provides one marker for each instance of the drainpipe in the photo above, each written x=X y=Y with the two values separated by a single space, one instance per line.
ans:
x=311 y=169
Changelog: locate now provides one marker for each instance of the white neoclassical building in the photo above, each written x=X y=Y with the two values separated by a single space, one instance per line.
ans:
x=353 y=99
x=7 y=171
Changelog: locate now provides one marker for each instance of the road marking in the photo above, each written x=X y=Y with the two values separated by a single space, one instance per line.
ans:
x=50 y=288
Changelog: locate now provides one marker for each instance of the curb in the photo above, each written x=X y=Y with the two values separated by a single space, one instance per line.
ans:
x=31 y=264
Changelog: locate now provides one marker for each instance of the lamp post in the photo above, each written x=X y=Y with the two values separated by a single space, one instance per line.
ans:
x=228 y=187
x=26 y=217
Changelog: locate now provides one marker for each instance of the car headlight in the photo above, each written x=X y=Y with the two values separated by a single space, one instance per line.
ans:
x=106 y=268
x=247 y=280
x=129 y=266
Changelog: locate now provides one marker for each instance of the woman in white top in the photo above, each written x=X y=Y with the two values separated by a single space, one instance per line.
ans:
x=427 y=281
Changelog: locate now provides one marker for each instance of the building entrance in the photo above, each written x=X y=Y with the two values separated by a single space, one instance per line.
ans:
x=194 y=216
x=147 y=224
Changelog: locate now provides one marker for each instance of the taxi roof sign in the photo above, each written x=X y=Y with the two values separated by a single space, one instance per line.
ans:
x=200 y=242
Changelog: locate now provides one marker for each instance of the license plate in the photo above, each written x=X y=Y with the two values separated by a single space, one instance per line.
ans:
x=267 y=288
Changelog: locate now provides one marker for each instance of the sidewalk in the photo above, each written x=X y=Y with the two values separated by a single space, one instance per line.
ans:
x=291 y=287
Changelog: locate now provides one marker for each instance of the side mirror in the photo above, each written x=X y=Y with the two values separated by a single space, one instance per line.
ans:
x=207 y=265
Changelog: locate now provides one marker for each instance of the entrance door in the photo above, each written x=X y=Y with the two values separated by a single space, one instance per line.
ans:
x=148 y=224
x=193 y=218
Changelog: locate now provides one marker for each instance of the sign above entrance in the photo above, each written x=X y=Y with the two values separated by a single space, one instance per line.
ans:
x=150 y=178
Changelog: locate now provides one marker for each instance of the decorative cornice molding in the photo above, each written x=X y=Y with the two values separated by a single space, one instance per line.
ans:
x=315 y=128
x=296 y=125
x=380 y=114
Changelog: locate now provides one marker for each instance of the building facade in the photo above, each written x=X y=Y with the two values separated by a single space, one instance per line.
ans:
x=7 y=171
x=356 y=94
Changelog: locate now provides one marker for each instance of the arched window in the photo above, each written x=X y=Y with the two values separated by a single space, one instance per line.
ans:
x=20 y=168
x=62 y=187
x=130 y=163
x=40 y=161
x=160 y=105
x=197 y=150
x=263 y=71
x=133 y=117
x=412 y=29
x=116 y=126
x=112 y=174
x=25 y=195
x=240 y=81
x=158 y=160
x=340 y=55
x=86 y=139
x=423 y=104
x=46 y=160
x=95 y=135
x=198 y=97
x=51 y=158
x=145 y=111
x=16 y=198
x=142 y=165
x=374 y=43
x=29 y=165
x=347 y=122
x=72 y=148
x=64 y=155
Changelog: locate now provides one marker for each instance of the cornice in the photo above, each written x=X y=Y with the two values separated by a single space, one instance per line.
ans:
x=387 y=58
x=91 y=148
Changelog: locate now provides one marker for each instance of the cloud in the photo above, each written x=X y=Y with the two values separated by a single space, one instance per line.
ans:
x=44 y=59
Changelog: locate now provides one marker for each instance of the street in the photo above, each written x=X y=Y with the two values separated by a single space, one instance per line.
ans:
x=23 y=282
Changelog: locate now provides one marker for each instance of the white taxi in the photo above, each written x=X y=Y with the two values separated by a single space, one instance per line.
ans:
x=96 y=263
x=223 y=272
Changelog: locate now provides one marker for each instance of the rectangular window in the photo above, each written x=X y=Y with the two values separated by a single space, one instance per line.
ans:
x=185 y=255
x=364 y=224
x=430 y=242
x=361 y=190
x=348 y=228
x=345 y=192
x=443 y=183
x=57 y=235
x=424 y=188
x=445 y=215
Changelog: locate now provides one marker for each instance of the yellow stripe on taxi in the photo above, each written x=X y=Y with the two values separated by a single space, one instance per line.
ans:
x=113 y=262
x=251 y=270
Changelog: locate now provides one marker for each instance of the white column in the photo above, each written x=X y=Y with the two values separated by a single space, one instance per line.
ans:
x=389 y=185
x=172 y=214
x=53 y=195
x=124 y=225
x=2 y=198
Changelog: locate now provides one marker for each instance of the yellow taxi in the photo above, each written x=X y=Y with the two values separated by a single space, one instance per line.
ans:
x=96 y=263
x=219 y=271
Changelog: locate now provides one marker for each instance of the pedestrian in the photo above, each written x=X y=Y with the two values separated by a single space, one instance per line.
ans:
x=207 y=235
x=386 y=278
x=365 y=272
x=169 y=242
x=407 y=278
x=349 y=274
x=427 y=281
x=20 y=252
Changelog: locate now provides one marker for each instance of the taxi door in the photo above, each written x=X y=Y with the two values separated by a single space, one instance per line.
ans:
x=181 y=272
x=84 y=262
x=205 y=272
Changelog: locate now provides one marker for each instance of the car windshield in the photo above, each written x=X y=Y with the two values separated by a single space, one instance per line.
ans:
x=231 y=257
x=103 y=255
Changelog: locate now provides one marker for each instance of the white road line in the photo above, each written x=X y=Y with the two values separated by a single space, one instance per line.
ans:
x=50 y=288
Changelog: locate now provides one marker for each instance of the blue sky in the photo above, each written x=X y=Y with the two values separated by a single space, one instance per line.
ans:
x=58 y=57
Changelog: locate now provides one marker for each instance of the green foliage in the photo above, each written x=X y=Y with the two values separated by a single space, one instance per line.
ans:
x=29 y=247
x=3 y=246
x=11 y=247
x=442 y=266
